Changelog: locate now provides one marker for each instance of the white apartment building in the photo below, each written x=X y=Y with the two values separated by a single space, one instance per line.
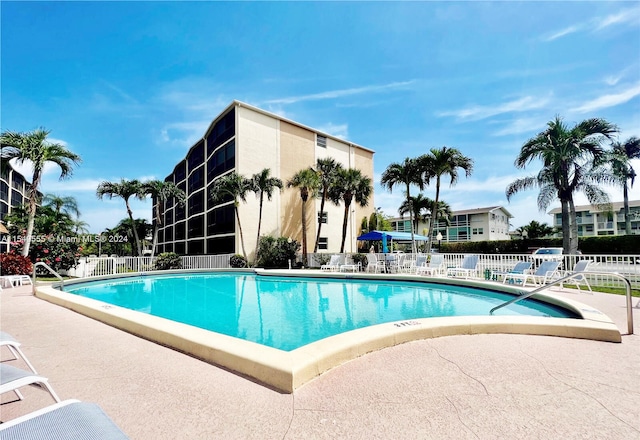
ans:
x=594 y=221
x=247 y=140
x=479 y=224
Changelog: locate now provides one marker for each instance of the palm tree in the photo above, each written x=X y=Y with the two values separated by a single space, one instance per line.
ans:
x=350 y=184
x=58 y=203
x=536 y=229
x=571 y=160
x=443 y=212
x=80 y=227
x=34 y=147
x=443 y=162
x=161 y=191
x=263 y=184
x=308 y=182
x=234 y=187
x=327 y=170
x=124 y=189
x=420 y=205
x=406 y=173
x=621 y=156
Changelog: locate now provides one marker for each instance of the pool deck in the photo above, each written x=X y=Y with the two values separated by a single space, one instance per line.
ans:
x=457 y=387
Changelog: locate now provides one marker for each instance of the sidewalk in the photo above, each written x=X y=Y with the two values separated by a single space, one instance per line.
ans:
x=457 y=387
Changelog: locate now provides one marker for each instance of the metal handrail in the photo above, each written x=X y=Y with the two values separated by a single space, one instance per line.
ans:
x=40 y=263
x=575 y=275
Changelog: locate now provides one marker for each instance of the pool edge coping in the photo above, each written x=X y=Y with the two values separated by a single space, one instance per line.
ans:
x=286 y=371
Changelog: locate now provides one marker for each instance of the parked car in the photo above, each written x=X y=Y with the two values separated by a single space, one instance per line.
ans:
x=547 y=254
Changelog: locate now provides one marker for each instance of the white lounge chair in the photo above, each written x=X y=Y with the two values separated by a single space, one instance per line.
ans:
x=520 y=268
x=333 y=265
x=6 y=340
x=580 y=267
x=545 y=272
x=420 y=261
x=468 y=268
x=433 y=267
x=70 y=419
x=12 y=379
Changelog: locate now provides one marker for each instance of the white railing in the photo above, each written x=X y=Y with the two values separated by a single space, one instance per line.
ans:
x=626 y=265
x=97 y=266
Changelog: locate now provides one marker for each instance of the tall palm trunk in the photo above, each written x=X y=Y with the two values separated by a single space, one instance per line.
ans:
x=324 y=196
x=627 y=220
x=304 y=230
x=566 y=234
x=244 y=253
x=135 y=230
x=155 y=230
x=434 y=215
x=347 y=204
x=33 y=205
x=259 y=225
x=573 y=244
x=413 y=239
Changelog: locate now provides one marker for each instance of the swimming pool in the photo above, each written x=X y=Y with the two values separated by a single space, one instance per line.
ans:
x=389 y=319
x=287 y=313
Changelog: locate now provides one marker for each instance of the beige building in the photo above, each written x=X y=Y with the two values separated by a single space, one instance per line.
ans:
x=479 y=224
x=598 y=221
x=247 y=140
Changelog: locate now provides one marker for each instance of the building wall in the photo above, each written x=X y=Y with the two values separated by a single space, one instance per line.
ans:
x=592 y=223
x=490 y=225
x=13 y=193
x=258 y=140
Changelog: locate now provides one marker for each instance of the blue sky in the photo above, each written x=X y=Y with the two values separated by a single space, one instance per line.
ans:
x=130 y=86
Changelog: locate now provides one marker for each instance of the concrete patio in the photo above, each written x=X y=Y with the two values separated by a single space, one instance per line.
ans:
x=458 y=387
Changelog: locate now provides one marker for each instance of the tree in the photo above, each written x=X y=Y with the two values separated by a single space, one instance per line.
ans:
x=571 y=161
x=420 y=204
x=263 y=184
x=58 y=203
x=443 y=162
x=406 y=173
x=234 y=187
x=536 y=230
x=621 y=156
x=327 y=170
x=308 y=182
x=350 y=184
x=33 y=147
x=161 y=191
x=125 y=189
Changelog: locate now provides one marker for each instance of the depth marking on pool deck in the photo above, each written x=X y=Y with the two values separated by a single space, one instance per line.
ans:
x=287 y=371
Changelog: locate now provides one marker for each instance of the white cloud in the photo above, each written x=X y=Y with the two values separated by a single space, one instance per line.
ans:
x=609 y=100
x=478 y=112
x=332 y=94
x=521 y=125
x=631 y=15
x=338 y=130
x=184 y=134
x=566 y=31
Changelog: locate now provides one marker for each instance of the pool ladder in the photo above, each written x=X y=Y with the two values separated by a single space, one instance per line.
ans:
x=576 y=275
x=46 y=266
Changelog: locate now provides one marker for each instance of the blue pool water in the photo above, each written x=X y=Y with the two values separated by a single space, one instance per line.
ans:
x=289 y=312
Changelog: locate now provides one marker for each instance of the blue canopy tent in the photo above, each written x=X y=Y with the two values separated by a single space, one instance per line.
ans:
x=383 y=236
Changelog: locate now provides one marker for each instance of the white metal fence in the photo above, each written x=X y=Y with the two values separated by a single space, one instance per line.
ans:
x=96 y=266
x=625 y=265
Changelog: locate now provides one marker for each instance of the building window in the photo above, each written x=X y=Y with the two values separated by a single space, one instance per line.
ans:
x=324 y=217
x=478 y=231
x=323 y=243
x=321 y=141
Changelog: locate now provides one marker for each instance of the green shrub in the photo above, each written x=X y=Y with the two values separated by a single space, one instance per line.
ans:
x=15 y=264
x=168 y=260
x=238 y=261
x=277 y=252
